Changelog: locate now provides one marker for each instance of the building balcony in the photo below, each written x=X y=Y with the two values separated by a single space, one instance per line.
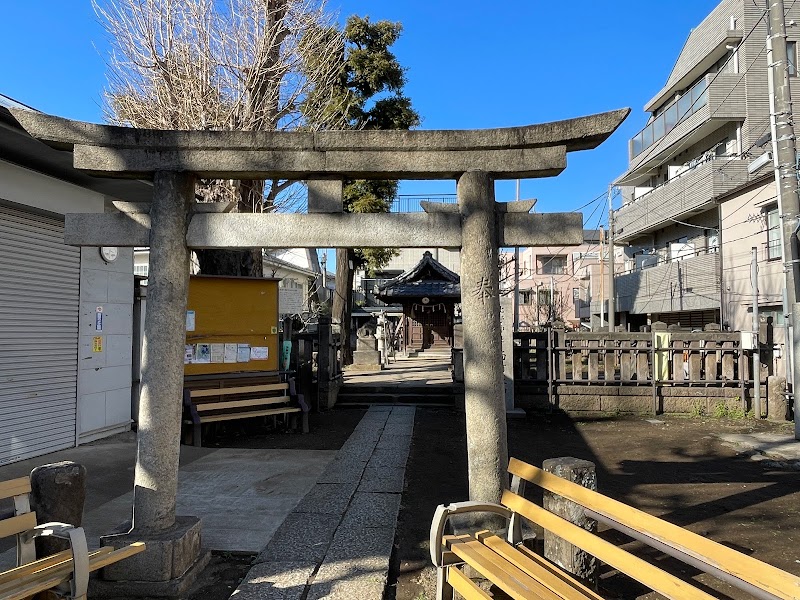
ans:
x=714 y=100
x=690 y=193
x=689 y=284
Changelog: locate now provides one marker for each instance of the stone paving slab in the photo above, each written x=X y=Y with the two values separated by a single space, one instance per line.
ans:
x=301 y=537
x=241 y=495
x=279 y=580
x=384 y=479
x=372 y=510
x=346 y=524
x=327 y=498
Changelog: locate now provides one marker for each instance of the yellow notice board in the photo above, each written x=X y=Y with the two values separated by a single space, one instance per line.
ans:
x=231 y=325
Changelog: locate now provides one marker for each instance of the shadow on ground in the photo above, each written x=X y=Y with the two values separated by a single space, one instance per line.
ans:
x=672 y=467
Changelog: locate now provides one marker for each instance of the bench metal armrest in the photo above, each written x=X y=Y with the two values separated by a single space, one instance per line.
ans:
x=443 y=514
x=80 y=552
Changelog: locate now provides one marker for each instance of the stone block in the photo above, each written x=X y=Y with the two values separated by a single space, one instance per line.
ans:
x=343 y=471
x=576 y=402
x=342 y=581
x=777 y=408
x=366 y=357
x=58 y=493
x=168 y=554
x=628 y=404
x=172 y=588
x=367 y=548
x=570 y=558
x=396 y=443
x=388 y=458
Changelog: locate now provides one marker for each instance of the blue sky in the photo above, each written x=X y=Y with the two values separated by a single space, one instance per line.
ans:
x=470 y=64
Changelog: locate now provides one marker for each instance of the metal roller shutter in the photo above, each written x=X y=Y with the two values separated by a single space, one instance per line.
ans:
x=39 y=308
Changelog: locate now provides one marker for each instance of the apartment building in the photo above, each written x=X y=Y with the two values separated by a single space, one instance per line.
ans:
x=696 y=197
x=575 y=274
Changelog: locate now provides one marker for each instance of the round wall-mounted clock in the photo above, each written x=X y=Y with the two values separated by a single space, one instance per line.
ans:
x=109 y=253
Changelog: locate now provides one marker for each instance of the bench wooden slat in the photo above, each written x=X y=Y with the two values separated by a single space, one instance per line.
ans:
x=465 y=586
x=651 y=576
x=245 y=389
x=34 y=583
x=512 y=580
x=56 y=565
x=18 y=524
x=538 y=568
x=776 y=581
x=247 y=415
x=240 y=403
x=15 y=487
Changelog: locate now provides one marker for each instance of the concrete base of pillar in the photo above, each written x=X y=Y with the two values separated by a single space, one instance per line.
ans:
x=173 y=588
x=169 y=561
x=356 y=367
x=367 y=358
x=515 y=413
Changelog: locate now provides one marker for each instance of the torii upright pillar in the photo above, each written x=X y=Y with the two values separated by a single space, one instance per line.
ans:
x=487 y=445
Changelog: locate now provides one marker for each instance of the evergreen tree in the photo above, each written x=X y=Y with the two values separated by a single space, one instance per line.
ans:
x=369 y=96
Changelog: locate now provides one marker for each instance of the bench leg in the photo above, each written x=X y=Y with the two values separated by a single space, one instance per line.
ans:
x=196 y=428
x=444 y=591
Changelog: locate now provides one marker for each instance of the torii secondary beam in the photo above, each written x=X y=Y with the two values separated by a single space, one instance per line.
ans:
x=342 y=230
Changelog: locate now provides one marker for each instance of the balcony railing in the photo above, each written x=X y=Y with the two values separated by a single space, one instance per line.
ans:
x=690 y=193
x=692 y=283
x=693 y=100
x=410 y=203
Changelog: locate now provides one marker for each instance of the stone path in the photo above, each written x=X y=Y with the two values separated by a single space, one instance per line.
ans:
x=337 y=542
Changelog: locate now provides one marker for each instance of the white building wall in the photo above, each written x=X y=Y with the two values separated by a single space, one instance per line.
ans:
x=104 y=377
x=103 y=394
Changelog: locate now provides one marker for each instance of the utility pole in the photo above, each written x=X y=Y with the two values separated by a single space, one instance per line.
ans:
x=602 y=278
x=756 y=354
x=612 y=305
x=785 y=159
x=516 y=279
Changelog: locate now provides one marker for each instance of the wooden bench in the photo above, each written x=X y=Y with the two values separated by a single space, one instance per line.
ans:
x=523 y=574
x=230 y=402
x=68 y=571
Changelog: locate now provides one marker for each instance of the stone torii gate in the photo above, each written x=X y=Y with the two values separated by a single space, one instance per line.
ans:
x=173 y=223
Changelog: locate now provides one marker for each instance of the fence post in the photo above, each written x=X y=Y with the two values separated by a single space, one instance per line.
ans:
x=324 y=363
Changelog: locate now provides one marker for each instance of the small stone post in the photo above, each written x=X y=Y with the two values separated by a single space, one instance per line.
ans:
x=570 y=558
x=58 y=492
x=487 y=445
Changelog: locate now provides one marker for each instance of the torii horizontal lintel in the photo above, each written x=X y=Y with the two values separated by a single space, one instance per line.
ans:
x=513 y=152
x=345 y=230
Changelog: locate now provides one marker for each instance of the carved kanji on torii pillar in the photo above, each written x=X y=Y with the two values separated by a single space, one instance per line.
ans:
x=172 y=224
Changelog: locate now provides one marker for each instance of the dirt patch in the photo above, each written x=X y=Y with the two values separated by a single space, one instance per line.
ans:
x=673 y=467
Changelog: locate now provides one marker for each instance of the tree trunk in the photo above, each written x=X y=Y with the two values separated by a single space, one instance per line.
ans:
x=235 y=263
x=343 y=300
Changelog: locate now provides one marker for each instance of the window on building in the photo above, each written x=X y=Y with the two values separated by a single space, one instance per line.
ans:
x=773 y=235
x=525 y=297
x=791 y=52
x=553 y=265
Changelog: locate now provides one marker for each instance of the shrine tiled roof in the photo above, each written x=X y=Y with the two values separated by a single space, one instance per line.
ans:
x=429 y=278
